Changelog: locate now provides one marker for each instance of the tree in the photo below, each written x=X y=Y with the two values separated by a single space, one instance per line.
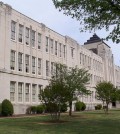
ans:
x=94 y=14
x=54 y=95
x=106 y=92
x=76 y=80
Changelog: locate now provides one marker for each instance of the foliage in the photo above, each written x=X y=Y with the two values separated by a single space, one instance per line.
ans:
x=98 y=107
x=40 y=109
x=33 y=109
x=63 y=107
x=76 y=81
x=0 y=109
x=80 y=106
x=106 y=92
x=94 y=14
x=7 y=108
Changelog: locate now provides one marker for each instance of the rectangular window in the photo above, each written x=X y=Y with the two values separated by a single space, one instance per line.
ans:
x=20 y=61
x=56 y=48
x=13 y=30
x=47 y=68
x=33 y=92
x=39 y=66
x=27 y=63
x=60 y=49
x=12 y=60
x=52 y=68
x=27 y=92
x=51 y=45
x=47 y=44
x=39 y=41
x=72 y=52
x=20 y=92
x=27 y=36
x=12 y=91
x=33 y=38
x=64 y=50
x=20 y=36
x=39 y=91
x=33 y=65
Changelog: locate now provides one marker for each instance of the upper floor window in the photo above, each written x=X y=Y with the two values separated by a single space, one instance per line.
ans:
x=13 y=30
x=39 y=41
x=72 y=52
x=47 y=44
x=27 y=36
x=20 y=61
x=64 y=50
x=39 y=66
x=56 y=48
x=33 y=65
x=12 y=60
x=20 y=36
x=60 y=49
x=27 y=63
x=33 y=38
x=51 y=45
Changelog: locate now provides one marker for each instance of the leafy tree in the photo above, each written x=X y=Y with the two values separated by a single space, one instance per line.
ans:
x=94 y=14
x=106 y=92
x=54 y=95
x=76 y=81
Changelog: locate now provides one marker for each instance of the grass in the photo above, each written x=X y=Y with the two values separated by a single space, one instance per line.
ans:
x=94 y=122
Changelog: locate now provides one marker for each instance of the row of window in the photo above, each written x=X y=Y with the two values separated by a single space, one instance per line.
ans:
x=24 y=92
x=32 y=37
x=29 y=62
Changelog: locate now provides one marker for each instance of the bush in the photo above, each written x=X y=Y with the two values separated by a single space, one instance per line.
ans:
x=0 y=109
x=33 y=109
x=7 y=108
x=64 y=108
x=98 y=107
x=40 y=109
x=80 y=106
x=28 y=110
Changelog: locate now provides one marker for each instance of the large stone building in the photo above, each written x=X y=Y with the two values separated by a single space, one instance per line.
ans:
x=28 y=51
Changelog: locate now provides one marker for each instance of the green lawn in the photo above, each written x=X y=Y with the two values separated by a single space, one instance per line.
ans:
x=81 y=123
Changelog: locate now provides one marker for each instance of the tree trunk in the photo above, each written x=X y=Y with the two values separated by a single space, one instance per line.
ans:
x=70 y=106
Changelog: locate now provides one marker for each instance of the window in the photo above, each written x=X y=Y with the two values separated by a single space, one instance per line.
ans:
x=72 y=52
x=12 y=60
x=27 y=92
x=60 y=49
x=20 y=36
x=20 y=61
x=64 y=51
x=33 y=92
x=56 y=48
x=47 y=46
x=12 y=91
x=39 y=91
x=33 y=65
x=27 y=36
x=13 y=30
x=27 y=63
x=47 y=68
x=20 y=92
x=39 y=66
x=33 y=38
x=39 y=41
x=52 y=68
x=51 y=45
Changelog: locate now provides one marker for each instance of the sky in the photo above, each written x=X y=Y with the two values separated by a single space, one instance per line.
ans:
x=45 y=12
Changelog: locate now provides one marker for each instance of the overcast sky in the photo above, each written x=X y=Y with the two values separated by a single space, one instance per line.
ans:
x=44 y=11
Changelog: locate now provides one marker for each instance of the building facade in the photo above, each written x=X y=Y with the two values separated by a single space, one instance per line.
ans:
x=28 y=51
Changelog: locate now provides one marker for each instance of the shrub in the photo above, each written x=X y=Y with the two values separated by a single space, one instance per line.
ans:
x=64 y=108
x=0 y=109
x=40 y=109
x=7 y=108
x=80 y=106
x=98 y=107
x=33 y=109
x=28 y=110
